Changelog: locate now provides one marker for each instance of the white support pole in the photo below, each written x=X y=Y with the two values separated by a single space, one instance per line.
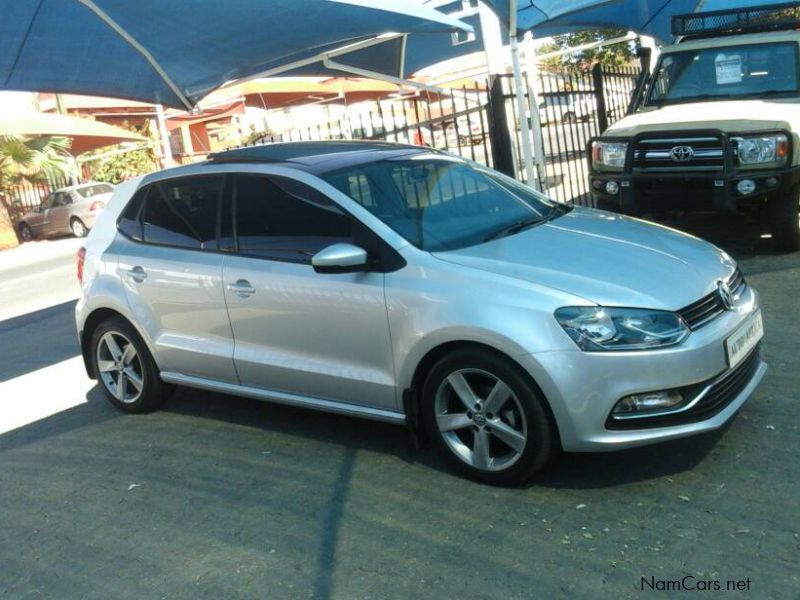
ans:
x=166 y=149
x=532 y=69
x=492 y=40
x=519 y=92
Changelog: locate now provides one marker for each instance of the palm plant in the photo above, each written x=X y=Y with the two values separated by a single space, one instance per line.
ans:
x=28 y=159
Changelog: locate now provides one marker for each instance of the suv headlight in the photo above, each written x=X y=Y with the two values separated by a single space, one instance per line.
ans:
x=598 y=328
x=762 y=149
x=609 y=155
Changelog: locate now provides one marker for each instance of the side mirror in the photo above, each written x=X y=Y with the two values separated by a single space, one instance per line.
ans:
x=340 y=258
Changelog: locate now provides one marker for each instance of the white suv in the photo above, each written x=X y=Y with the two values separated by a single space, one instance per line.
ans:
x=409 y=286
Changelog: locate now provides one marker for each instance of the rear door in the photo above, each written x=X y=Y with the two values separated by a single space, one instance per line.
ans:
x=298 y=331
x=173 y=275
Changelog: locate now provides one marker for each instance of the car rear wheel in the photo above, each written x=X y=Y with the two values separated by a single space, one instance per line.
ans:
x=784 y=215
x=487 y=418
x=124 y=367
x=78 y=228
x=25 y=232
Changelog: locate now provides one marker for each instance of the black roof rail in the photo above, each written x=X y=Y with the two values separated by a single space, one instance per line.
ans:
x=768 y=17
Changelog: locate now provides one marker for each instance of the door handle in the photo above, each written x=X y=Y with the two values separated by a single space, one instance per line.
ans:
x=137 y=274
x=242 y=288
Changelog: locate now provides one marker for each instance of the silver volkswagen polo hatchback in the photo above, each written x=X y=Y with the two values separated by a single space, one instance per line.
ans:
x=403 y=285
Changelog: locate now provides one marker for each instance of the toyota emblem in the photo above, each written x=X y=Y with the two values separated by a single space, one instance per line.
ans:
x=682 y=153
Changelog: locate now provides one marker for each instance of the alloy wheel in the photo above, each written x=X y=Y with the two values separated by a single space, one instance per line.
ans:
x=120 y=367
x=78 y=228
x=480 y=419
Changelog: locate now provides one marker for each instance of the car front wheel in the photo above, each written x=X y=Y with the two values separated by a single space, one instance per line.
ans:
x=487 y=418
x=124 y=367
x=25 y=233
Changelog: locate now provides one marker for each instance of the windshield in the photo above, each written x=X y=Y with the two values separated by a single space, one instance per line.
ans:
x=746 y=71
x=440 y=204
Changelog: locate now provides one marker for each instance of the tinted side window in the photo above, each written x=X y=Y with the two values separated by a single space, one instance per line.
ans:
x=129 y=221
x=286 y=220
x=61 y=199
x=183 y=212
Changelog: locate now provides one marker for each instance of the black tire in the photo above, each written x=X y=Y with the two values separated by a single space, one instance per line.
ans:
x=784 y=220
x=569 y=118
x=153 y=391
x=525 y=403
x=78 y=228
x=25 y=232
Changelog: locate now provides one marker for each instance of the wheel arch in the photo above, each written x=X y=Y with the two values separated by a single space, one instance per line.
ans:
x=412 y=394
x=94 y=319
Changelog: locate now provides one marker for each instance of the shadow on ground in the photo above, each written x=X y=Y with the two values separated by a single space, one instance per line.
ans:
x=36 y=340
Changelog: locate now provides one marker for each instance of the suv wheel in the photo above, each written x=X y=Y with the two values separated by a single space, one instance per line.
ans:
x=124 y=367
x=487 y=418
x=784 y=216
x=78 y=228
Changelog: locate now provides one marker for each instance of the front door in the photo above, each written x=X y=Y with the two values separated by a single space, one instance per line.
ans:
x=173 y=276
x=295 y=330
x=57 y=216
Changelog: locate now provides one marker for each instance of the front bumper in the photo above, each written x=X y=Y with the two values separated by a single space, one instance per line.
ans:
x=642 y=192
x=583 y=387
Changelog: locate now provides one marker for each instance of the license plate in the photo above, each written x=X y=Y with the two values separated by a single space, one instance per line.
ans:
x=738 y=345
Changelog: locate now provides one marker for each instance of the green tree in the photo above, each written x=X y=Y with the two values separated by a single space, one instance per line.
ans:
x=28 y=159
x=121 y=162
x=615 y=55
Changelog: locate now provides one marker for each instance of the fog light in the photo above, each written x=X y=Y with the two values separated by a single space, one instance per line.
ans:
x=771 y=181
x=612 y=187
x=650 y=401
x=746 y=186
x=597 y=184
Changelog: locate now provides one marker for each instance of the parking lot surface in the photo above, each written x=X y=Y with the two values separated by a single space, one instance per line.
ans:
x=221 y=497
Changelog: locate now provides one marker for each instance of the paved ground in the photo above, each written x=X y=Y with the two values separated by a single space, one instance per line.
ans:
x=218 y=497
x=38 y=274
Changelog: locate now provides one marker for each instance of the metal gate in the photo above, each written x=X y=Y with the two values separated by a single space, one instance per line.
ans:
x=477 y=122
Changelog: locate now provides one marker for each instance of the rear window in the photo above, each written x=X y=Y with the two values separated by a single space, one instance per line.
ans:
x=94 y=190
x=183 y=212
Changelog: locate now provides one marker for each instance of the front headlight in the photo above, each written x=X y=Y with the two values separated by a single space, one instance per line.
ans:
x=762 y=149
x=597 y=328
x=610 y=155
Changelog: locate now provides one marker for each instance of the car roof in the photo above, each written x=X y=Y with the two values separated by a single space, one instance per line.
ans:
x=317 y=157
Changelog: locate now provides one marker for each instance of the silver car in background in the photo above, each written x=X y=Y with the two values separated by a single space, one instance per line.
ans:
x=408 y=286
x=68 y=210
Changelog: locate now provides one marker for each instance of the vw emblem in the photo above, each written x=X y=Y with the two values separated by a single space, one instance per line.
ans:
x=726 y=295
x=681 y=153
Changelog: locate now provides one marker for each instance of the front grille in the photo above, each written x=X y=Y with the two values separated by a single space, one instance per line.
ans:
x=709 y=307
x=720 y=392
x=659 y=154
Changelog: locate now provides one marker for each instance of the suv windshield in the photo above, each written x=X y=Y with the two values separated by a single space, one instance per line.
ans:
x=440 y=204
x=746 y=71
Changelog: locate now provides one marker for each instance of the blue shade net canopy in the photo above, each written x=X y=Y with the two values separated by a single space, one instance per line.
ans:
x=647 y=17
x=174 y=53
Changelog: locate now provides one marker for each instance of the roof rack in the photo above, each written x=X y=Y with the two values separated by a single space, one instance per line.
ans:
x=769 y=17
